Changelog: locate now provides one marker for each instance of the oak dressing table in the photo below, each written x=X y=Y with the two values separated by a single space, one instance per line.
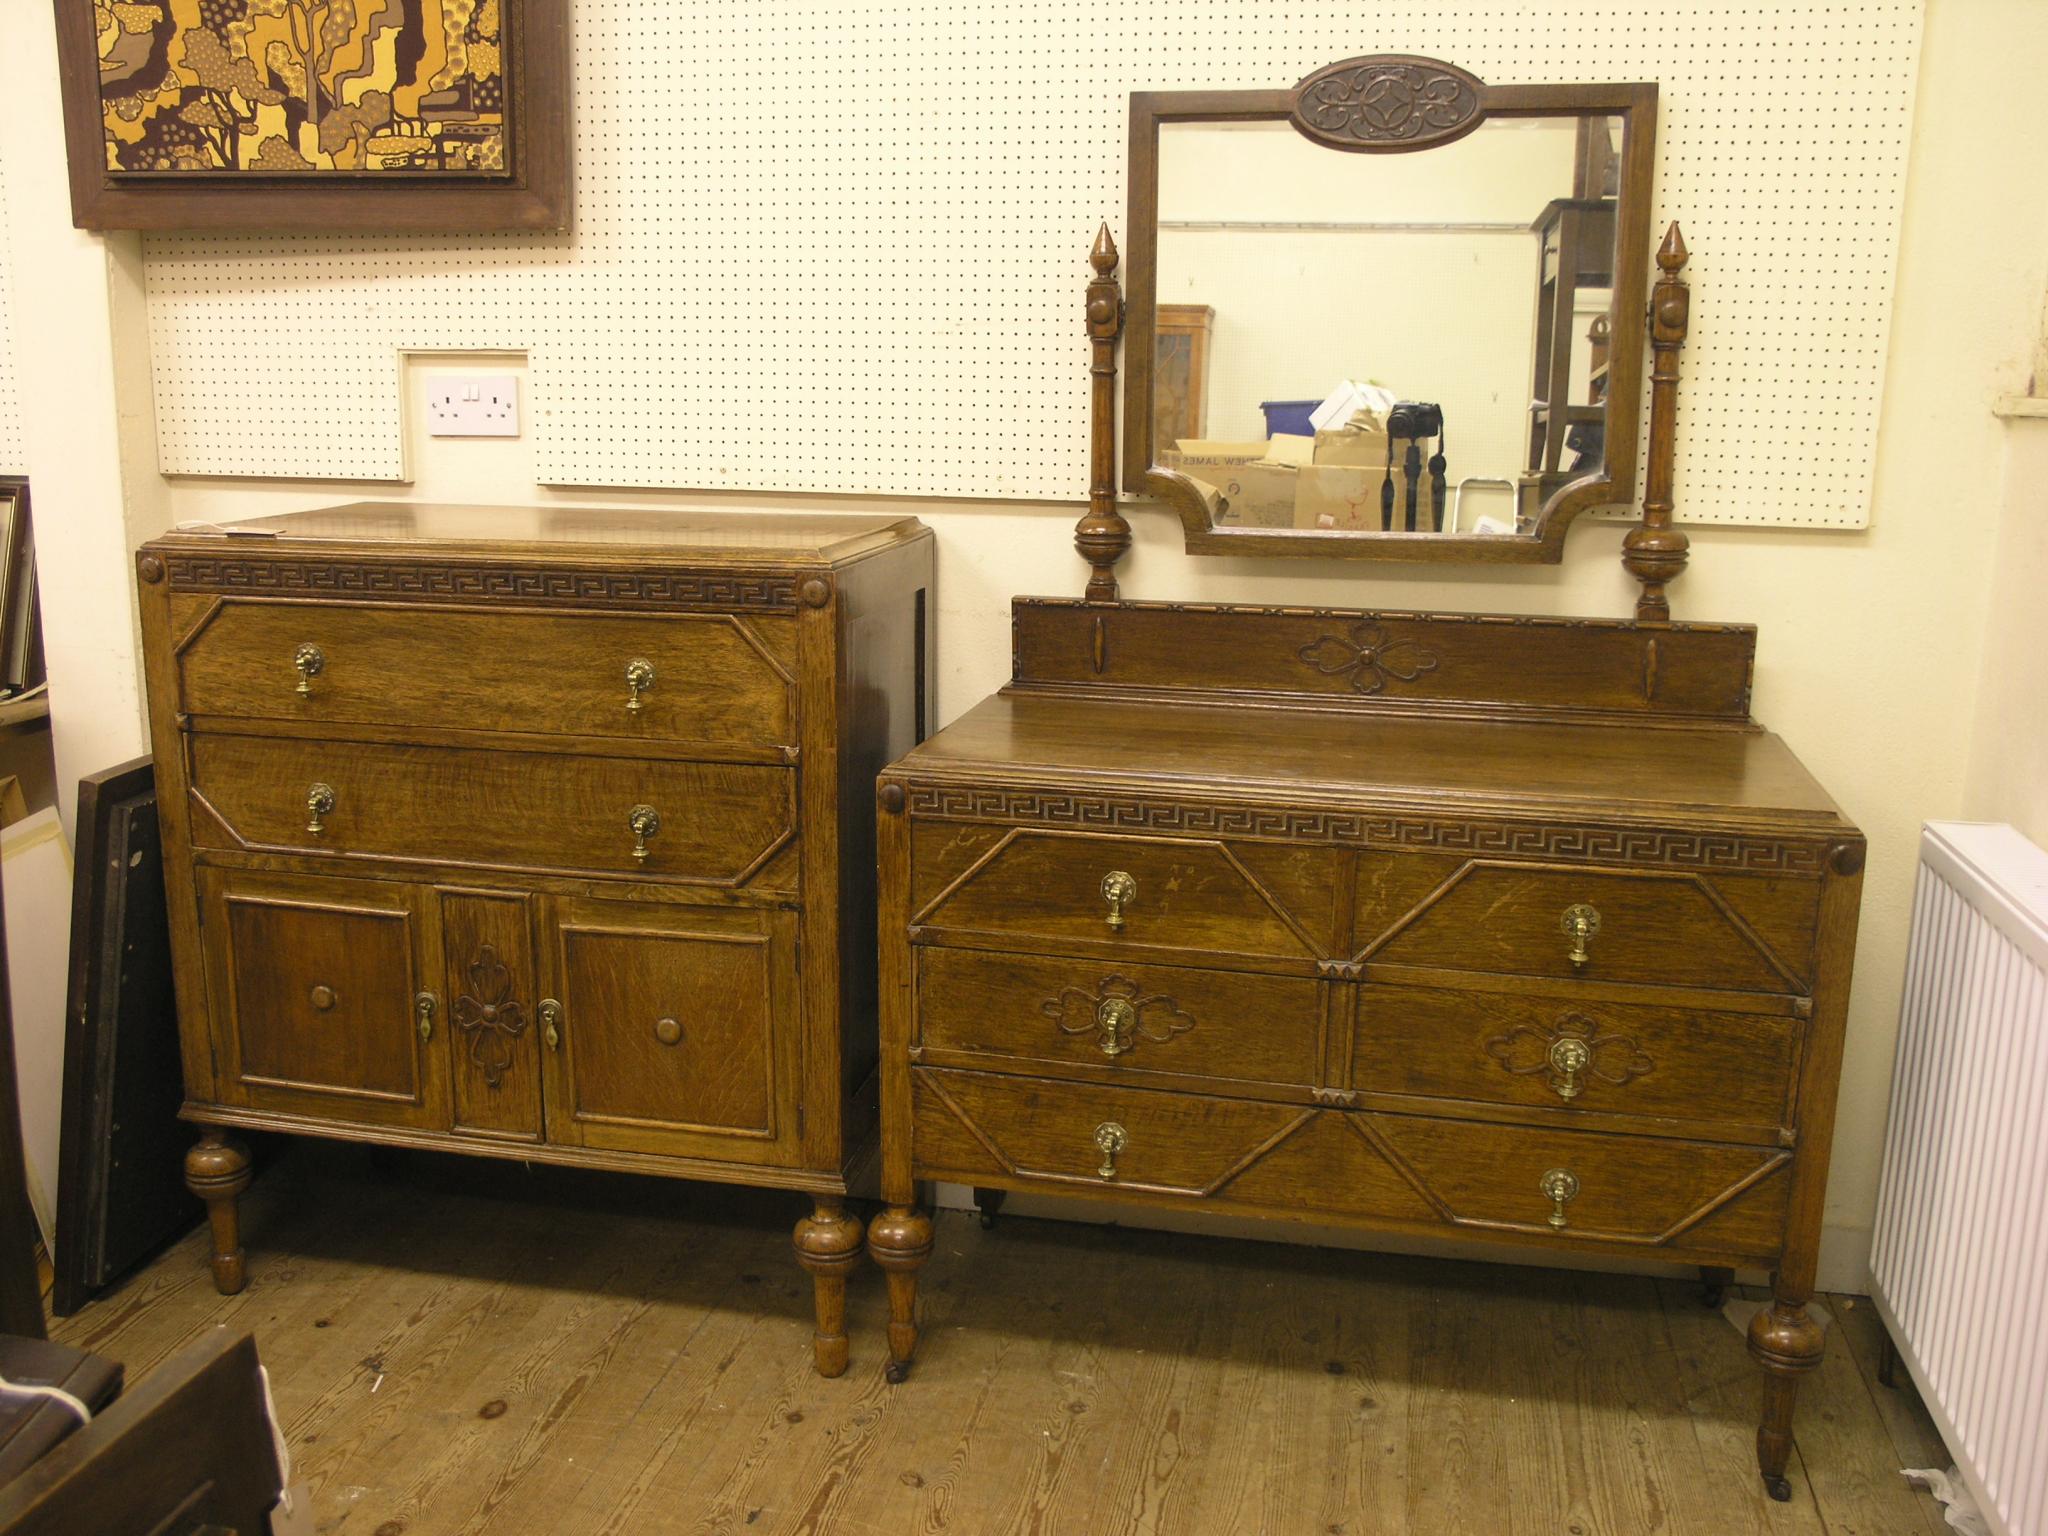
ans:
x=1512 y=927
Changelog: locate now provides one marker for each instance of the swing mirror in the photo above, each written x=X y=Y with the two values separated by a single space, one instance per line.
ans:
x=1392 y=313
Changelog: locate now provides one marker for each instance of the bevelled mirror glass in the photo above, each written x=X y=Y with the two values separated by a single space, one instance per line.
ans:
x=1393 y=312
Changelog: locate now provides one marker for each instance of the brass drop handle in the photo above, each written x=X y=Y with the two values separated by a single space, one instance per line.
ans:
x=1569 y=1056
x=551 y=1023
x=645 y=822
x=1560 y=1187
x=668 y=1031
x=1580 y=922
x=1119 y=890
x=319 y=806
x=424 y=1007
x=1109 y=1141
x=639 y=678
x=311 y=662
x=1116 y=1018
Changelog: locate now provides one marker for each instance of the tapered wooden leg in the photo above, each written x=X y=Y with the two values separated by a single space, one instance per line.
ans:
x=899 y=1241
x=990 y=1202
x=828 y=1245
x=1786 y=1341
x=1714 y=1283
x=217 y=1171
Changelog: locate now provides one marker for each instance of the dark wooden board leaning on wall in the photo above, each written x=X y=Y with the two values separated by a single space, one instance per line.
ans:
x=119 y=1196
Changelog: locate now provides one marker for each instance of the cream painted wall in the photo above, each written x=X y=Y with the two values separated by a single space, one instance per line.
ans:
x=1870 y=641
x=88 y=421
x=2008 y=772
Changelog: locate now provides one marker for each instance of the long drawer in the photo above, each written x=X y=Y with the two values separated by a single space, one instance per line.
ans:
x=711 y=822
x=1008 y=1012
x=1732 y=1070
x=1687 y=1196
x=705 y=678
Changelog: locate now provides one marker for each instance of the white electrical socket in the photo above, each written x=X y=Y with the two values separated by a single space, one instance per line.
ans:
x=473 y=405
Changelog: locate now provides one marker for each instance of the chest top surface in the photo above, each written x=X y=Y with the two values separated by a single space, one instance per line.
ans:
x=434 y=530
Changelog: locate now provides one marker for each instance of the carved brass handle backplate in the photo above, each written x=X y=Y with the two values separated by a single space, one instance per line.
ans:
x=319 y=806
x=1569 y=1056
x=1580 y=922
x=310 y=663
x=551 y=1023
x=1109 y=1141
x=639 y=678
x=645 y=822
x=424 y=1007
x=1119 y=890
x=1560 y=1187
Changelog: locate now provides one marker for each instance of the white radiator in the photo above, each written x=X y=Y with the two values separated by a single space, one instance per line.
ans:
x=1959 y=1265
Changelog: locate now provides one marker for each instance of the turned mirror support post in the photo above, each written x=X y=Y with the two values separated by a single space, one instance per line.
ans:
x=1654 y=551
x=1102 y=535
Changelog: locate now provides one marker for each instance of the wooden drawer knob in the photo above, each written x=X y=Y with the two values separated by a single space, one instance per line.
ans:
x=323 y=999
x=668 y=1031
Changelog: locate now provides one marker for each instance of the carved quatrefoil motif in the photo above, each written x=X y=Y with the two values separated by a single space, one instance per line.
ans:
x=1528 y=1049
x=1367 y=658
x=489 y=1016
x=1118 y=1014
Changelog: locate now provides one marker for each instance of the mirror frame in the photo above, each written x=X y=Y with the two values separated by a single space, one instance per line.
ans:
x=1451 y=104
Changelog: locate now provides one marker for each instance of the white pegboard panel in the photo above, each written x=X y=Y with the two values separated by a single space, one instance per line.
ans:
x=842 y=247
x=13 y=447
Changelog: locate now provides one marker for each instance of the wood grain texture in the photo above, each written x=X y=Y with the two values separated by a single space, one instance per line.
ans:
x=1580 y=985
x=563 y=1356
x=512 y=957
x=715 y=679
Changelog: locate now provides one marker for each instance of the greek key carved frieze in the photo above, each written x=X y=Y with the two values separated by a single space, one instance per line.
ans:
x=465 y=582
x=1095 y=812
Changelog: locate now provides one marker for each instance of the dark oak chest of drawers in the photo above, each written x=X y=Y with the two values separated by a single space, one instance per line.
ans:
x=533 y=834
x=1515 y=929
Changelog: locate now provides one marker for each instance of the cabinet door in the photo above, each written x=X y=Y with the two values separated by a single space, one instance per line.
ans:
x=493 y=1004
x=321 y=1001
x=673 y=1029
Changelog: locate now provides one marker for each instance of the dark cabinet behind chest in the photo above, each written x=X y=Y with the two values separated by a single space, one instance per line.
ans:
x=553 y=845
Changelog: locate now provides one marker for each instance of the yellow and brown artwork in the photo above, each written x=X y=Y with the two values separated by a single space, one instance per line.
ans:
x=302 y=86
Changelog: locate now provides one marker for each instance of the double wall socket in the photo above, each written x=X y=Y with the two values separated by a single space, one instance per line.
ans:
x=473 y=405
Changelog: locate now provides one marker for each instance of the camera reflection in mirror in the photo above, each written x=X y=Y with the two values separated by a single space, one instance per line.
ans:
x=1471 y=284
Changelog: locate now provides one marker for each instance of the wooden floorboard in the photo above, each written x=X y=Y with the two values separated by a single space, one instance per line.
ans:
x=469 y=1349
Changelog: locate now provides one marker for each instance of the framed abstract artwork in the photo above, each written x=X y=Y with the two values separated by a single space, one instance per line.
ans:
x=316 y=116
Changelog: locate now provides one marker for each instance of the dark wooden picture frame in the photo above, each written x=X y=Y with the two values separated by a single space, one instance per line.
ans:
x=531 y=194
x=1321 y=108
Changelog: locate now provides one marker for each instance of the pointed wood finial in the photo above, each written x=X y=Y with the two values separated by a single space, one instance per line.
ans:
x=1672 y=254
x=1102 y=535
x=1655 y=552
x=1104 y=256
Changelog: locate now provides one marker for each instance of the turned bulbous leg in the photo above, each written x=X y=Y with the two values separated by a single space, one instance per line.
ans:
x=1786 y=1341
x=828 y=1245
x=899 y=1241
x=217 y=1171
